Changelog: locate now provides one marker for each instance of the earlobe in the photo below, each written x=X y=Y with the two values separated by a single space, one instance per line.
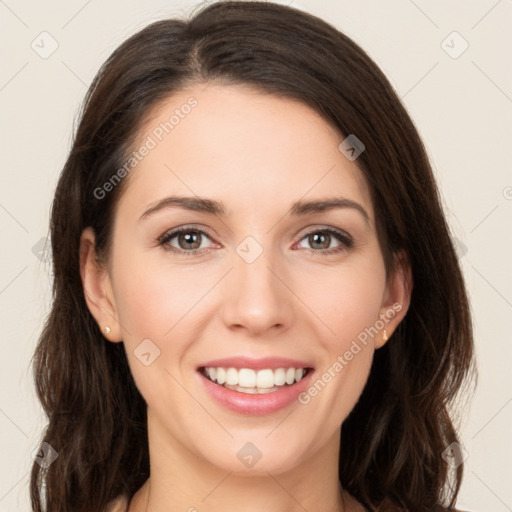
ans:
x=397 y=298
x=97 y=290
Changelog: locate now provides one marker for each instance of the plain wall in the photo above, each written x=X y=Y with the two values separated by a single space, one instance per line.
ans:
x=461 y=104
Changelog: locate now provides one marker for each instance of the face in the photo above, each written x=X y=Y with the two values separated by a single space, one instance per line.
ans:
x=263 y=283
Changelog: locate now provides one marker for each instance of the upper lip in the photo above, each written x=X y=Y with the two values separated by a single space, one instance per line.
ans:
x=256 y=364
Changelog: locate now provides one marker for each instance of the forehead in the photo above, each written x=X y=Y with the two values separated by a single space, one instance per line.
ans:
x=242 y=147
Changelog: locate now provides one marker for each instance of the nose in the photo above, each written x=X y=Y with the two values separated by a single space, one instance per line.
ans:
x=257 y=297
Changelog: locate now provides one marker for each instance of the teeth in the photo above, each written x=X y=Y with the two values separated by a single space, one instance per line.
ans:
x=247 y=378
x=254 y=381
x=221 y=375
x=251 y=391
x=279 y=377
x=232 y=377
x=264 y=379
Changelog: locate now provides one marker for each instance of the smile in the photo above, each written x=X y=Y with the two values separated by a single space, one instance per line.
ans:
x=254 y=387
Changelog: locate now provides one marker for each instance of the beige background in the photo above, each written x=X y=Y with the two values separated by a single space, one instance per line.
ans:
x=462 y=107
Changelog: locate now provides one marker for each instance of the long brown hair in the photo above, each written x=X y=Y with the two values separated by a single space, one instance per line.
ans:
x=393 y=441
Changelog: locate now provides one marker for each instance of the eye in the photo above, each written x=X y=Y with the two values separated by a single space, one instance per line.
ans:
x=189 y=241
x=321 y=239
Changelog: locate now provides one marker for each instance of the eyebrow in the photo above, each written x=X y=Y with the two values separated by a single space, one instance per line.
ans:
x=213 y=207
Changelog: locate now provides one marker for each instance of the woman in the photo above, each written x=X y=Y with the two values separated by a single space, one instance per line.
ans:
x=257 y=302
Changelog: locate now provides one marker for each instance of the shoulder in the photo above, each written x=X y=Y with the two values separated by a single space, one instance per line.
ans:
x=120 y=504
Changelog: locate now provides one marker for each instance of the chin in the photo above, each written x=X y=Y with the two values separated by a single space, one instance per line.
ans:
x=257 y=458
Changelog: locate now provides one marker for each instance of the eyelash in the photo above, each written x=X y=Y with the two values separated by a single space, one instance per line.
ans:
x=346 y=241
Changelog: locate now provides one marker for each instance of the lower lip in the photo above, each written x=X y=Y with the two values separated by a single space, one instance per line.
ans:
x=256 y=404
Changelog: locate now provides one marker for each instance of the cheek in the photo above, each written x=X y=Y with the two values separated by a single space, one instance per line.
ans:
x=155 y=306
x=153 y=299
x=347 y=299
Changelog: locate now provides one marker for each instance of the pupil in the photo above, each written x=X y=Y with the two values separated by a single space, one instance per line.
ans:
x=187 y=239
x=316 y=236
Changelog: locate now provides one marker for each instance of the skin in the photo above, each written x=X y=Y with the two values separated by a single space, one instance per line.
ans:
x=258 y=154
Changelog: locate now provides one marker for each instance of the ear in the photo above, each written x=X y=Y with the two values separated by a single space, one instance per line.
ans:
x=97 y=287
x=397 y=298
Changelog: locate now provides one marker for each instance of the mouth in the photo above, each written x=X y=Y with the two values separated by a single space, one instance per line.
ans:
x=254 y=381
x=254 y=387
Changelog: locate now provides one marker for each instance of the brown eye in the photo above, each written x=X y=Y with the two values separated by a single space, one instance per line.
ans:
x=188 y=241
x=321 y=239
